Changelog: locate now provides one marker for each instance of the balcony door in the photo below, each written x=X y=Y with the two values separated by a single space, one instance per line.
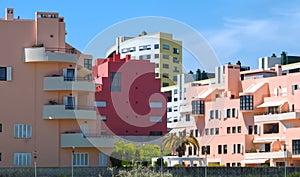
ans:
x=69 y=74
x=69 y=102
x=84 y=128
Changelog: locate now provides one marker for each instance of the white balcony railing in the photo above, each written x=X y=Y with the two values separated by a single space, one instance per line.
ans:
x=80 y=140
x=277 y=116
x=56 y=82
x=264 y=155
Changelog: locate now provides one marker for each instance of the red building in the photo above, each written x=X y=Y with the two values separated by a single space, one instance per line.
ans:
x=128 y=97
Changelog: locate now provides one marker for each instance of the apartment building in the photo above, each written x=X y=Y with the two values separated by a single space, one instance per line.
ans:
x=128 y=97
x=247 y=118
x=47 y=114
x=160 y=48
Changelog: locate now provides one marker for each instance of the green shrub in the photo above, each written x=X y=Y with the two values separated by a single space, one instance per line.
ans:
x=140 y=171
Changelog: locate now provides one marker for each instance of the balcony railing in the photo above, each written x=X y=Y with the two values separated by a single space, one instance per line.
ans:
x=264 y=155
x=277 y=116
x=62 y=50
x=82 y=141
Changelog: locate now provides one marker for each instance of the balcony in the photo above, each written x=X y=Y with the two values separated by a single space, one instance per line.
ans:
x=79 y=140
x=277 y=116
x=56 y=111
x=41 y=54
x=185 y=109
x=56 y=82
x=264 y=155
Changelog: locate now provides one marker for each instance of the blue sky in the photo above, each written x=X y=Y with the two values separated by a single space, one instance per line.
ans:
x=236 y=30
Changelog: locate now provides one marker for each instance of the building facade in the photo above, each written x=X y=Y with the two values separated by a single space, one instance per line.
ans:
x=160 y=48
x=128 y=97
x=47 y=113
x=247 y=118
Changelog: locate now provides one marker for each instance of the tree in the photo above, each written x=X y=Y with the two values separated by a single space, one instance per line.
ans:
x=177 y=144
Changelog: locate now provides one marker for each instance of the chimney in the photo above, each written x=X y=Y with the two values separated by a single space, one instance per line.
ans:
x=9 y=15
x=128 y=57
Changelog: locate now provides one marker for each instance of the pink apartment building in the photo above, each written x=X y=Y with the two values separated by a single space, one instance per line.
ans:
x=47 y=111
x=247 y=118
x=128 y=97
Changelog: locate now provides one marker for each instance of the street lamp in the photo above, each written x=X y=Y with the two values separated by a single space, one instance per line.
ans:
x=205 y=169
x=35 y=157
x=161 y=160
x=73 y=151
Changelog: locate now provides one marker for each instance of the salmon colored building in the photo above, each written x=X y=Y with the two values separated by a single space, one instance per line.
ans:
x=247 y=118
x=47 y=111
x=128 y=97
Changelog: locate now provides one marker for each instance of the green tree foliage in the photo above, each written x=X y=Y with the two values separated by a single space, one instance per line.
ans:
x=177 y=144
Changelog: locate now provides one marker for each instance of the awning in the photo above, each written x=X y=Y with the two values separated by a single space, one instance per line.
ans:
x=206 y=93
x=272 y=104
x=176 y=130
x=268 y=140
x=82 y=72
x=254 y=87
x=254 y=161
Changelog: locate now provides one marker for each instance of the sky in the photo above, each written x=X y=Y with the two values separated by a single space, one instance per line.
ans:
x=232 y=29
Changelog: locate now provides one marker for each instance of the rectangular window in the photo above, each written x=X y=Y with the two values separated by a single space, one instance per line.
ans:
x=296 y=146
x=175 y=69
x=239 y=148
x=250 y=129
x=156 y=74
x=81 y=159
x=165 y=75
x=0 y=127
x=5 y=73
x=211 y=114
x=132 y=49
x=156 y=46
x=256 y=129
x=239 y=129
x=233 y=149
x=233 y=129
x=217 y=115
x=196 y=133
x=217 y=131
x=191 y=132
x=187 y=117
x=165 y=84
x=165 y=56
x=103 y=118
x=176 y=51
x=115 y=81
x=206 y=131
x=175 y=78
x=88 y=64
x=144 y=47
x=228 y=113
x=246 y=102
x=165 y=65
x=144 y=57
x=156 y=65
x=103 y=160
x=233 y=112
x=208 y=149
x=219 y=149
x=100 y=103
x=22 y=159
x=0 y=156
x=156 y=55
x=212 y=131
x=225 y=149
x=198 y=107
x=155 y=119
x=228 y=130
x=22 y=131
x=166 y=47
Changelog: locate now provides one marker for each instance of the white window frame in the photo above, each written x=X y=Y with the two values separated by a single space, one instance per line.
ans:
x=81 y=159
x=22 y=130
x=22 y=159
x=103 y=158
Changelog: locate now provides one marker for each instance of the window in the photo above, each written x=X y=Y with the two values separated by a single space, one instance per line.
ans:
x=225 y=149
x=208 y=149
x=156 y=74
x=197 y=107
x=233 y=129
x=88 y=65
x=206 y=131
x=81 y=159
x=188 y=117
x=103 y=118
x=271 y=128
x=217 y=115
x=175 y=60
x=176 y=51
x=156 y=46
x=284 y=91
x=239 y=148
x=228 y=130
x=69 y=74
x=256 y=129
x=211 y=114
x=175 y=69
x=169 y=109
x=234 y=112
x=0 y=127
x=191 y=132
x=228 y=113
x=22 y=130
x=144 y=47
x=156 y=55
x=69 y=102
x=212 y=131
x=5 y=73
x=0 y=156
x=103 y=159
x=132 y=49
x=115 y=81
x=246 y=102
x=144 y=57
x=239 y=129
x=196 y=133
x=233 y=164
x=233 y=149
x=22 y=159
x=166 y=47
x=100 y=104
x=217 y=131
x=155 y=119
x=156 y=65
x=165 y=75
x=175 y=78
x=165 y=56
x=165 y=84
x=165 y=65
x=296 y=146
x=219 y=149
x=155 y=133
x=250 y=129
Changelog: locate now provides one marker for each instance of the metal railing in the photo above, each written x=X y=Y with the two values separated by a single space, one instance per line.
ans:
x=71 y=78
x=62 y=50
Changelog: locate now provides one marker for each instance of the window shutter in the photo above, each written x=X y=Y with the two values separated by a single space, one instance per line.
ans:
x=65 y=73
x=224 y=114
x=241 y=149
x=236 y=112
x=258 y=129
x=8 y=73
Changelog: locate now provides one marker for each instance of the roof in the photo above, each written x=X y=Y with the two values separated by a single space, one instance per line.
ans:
x=205 y=93
x=254 y=87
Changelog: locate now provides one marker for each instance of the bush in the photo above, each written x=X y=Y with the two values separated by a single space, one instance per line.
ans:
x=140 y=171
